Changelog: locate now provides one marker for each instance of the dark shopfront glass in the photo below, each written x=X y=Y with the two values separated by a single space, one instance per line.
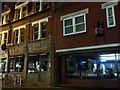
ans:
x=16 y=64
x=93 y=65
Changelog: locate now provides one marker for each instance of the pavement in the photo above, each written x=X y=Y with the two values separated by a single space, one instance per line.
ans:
x=32 y=85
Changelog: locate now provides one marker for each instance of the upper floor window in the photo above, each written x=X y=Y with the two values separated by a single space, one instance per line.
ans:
x=3 y=37
x=19 y=35
x=44 y=5
x=21 y=10
x=74 y=23
x=110 y=13
x=5 y=15
x=5 y=18
x=35 y=31
x=43 y=29
x=39 y=29
x=37 y=6
x=110 y=16
x=40 y=6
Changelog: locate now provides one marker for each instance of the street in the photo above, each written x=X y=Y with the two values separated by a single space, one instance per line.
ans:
x=60 y=88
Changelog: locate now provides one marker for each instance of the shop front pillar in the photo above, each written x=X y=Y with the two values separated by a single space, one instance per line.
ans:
x=25 y=60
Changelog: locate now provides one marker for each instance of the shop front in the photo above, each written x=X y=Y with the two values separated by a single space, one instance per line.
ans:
x=98 y=67
x=3 y=61
x=31 y=60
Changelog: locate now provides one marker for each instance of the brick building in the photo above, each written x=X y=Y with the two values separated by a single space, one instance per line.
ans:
x=63 y=43
x=25 y=31
x=87 y=44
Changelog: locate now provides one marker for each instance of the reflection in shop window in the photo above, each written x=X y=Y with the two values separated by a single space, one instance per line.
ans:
x=93 y=65
x=16 y=64
x=3 y=64
x=33 y=64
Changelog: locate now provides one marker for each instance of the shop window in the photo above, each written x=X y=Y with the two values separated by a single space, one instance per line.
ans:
x=3 y=65
x=33 y=64
x=93 y=65
x=16 y=64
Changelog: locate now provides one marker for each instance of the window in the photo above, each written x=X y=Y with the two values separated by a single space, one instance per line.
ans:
x=40 y=6
x=5 y=18
x=33 y=64
x=110 y=16
x=19 y=35
x=74 y=25
x=21 y=10
x=93 y=65
x=17 y=14
x=24 y=11
x=37 y=6
x=15 y=36
x=44 y=5
x=75 y=22
x=35 y=31
x=38 y=63
x=16 y=64
x=43 y=29
x=3 y=38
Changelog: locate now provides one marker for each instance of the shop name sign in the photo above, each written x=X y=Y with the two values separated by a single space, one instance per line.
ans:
x=15 y=50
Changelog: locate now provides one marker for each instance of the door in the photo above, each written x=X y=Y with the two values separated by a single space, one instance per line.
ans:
x=44 y=69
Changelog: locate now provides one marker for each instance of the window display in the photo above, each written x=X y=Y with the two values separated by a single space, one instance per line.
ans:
x=93 y=65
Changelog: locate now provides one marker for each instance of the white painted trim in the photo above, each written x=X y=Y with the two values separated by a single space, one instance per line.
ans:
x=113 y=2
x=89 y=47
x=39 y=22
x=2 y=38
x=5 y=13
x=18 y=28
x=23 y=4
x=113 y=15
x=86 y=11
x=73 y=24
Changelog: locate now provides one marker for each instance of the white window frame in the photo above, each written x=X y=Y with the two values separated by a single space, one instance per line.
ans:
x=73 y=16
x=21 y=9
x=110 y=4
x=19 y=37
x=113 y=16
x=39 y=23
x=2 y=38
x=4 y=21
x=74 y=25
x=39 y=6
